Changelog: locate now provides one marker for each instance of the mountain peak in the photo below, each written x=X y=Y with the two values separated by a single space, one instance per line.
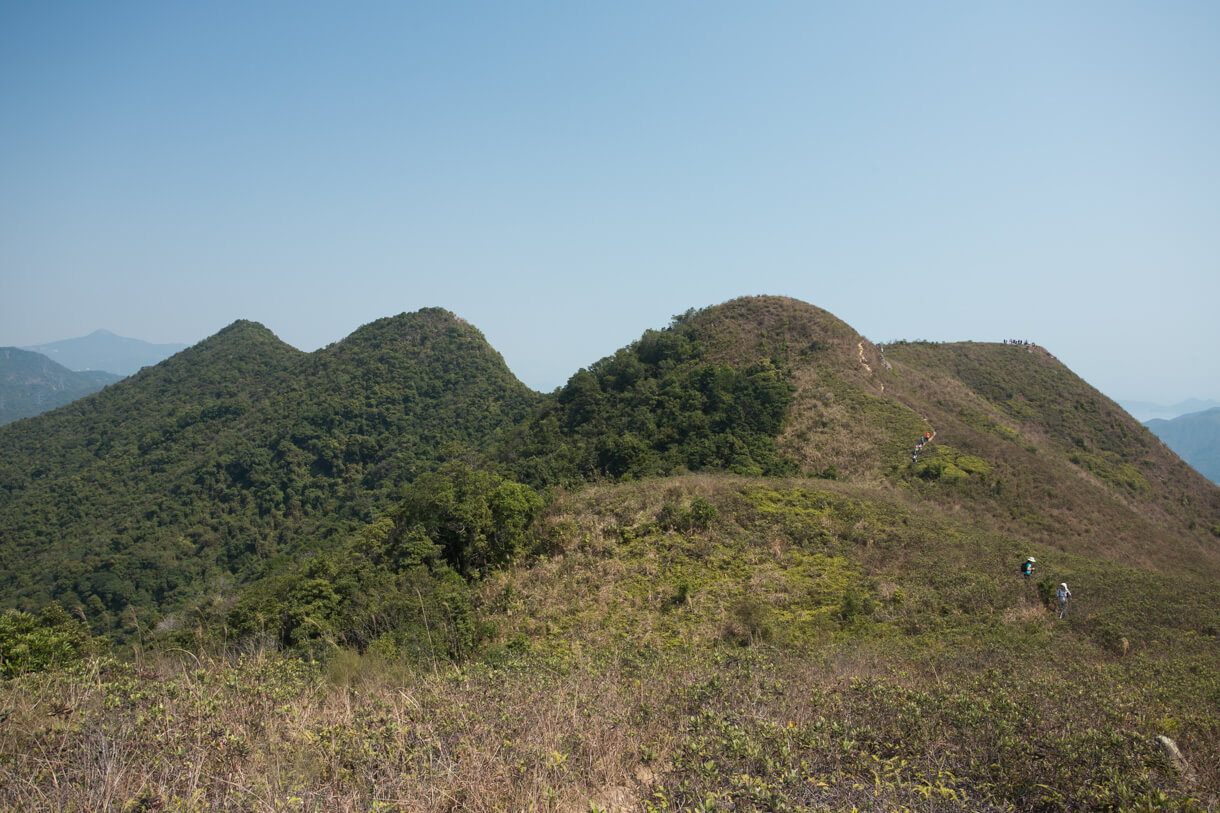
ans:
x=246 y=327
x=419 y=333
x=243 y=341
x=777 y=327
x=408 y=327
x=104 y=350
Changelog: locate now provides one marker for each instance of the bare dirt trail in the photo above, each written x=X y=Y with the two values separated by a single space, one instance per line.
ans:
x=860 y=348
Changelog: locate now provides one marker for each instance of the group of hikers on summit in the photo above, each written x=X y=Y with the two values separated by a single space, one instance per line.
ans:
x=1063 y=595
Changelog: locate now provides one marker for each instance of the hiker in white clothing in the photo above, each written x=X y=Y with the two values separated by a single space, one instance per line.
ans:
x=1064 y=595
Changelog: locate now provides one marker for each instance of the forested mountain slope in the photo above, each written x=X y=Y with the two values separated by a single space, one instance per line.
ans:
x=672 y=401
x=204 y=467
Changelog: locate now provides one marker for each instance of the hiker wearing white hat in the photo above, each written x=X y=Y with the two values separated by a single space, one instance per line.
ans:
x=1064 y=595
x=1027 y=568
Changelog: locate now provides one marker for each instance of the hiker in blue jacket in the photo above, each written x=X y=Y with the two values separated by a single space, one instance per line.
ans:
x=1027 y=568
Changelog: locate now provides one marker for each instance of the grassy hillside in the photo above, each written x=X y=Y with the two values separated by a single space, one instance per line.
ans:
x=700 y=642
x=1053 y=459
x=768 y=385
x=723 y=583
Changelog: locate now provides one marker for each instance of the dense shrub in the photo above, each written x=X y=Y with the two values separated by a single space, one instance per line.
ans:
x=655 y=408
x=400 y=585
x=32 y=643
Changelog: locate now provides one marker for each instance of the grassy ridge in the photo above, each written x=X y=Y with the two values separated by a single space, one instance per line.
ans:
x=1067 y=467
x=801 y=565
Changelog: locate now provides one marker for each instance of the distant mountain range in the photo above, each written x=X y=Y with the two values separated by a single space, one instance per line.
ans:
x=103 y=350
x=39 y=378
x=30 y=384
x=1195 y=438
x=1145 y=411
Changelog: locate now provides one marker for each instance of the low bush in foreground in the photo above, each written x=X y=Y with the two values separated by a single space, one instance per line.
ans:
x=887 y=726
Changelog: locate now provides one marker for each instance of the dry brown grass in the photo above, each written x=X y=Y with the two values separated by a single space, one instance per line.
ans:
x=875 y=726
x=263 y=735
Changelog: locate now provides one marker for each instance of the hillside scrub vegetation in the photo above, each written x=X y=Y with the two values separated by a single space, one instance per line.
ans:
x=711 y=572
x=703 y=641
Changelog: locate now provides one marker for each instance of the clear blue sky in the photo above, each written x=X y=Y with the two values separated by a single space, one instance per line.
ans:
x=566 y=175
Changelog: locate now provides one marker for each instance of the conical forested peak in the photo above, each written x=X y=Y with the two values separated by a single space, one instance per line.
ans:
x=430 y=346
x=243 y=335
x=244 y=327
x=242 y=340
x=709 y=392
x=245 y=352
x=416 y=328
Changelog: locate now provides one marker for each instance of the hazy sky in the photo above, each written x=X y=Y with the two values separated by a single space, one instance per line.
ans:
x=566 y=175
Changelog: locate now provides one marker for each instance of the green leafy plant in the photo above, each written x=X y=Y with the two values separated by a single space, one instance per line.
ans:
x=51 y=639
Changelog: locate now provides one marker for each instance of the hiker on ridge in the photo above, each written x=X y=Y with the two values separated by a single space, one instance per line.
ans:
x=1027 y=568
